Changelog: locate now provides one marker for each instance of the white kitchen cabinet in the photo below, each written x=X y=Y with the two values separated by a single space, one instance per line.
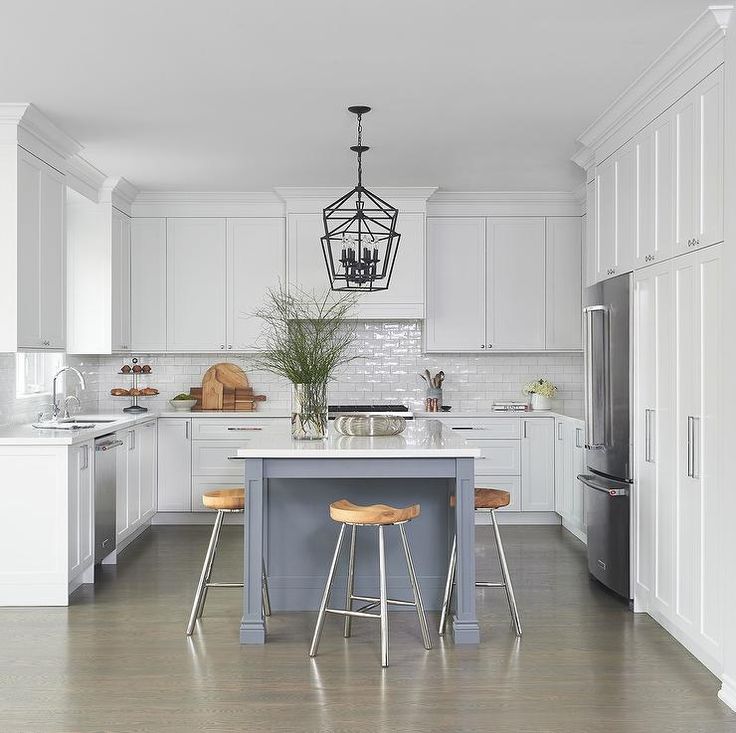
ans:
x=605 y=215
x=626 y=172
x=147 y=462
x=589 y=226
x=121 y=264
x=456 y=284
x=698 y=167
x=39 y=313
x=405 y=295
x=676 y=418
x=195 y=284
x=148 y=284
x=563 y=281
x=569 y=464
x=498 y=457
x=512 y=484
x=174 y=465
x=537 y=465
x=255 y=264
x=81 y=507
x=515 y=283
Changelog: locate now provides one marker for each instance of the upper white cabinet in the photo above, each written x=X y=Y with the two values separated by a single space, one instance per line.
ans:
x=503 y=284
x=99 y=277
x=564 y=282
x=661 y=193
x=32 y=256
x=121 y=263
x=195 y=292
x=255 y=263
x=405 y=296
x=456 y=284
x=148 y=284
x=515 y=267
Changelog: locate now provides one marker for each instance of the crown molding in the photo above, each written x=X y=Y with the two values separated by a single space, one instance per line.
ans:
x=24 y=124
x=84 y=178
x=699 y=48
x=505 y=203
x=208 y=203
x=312 y=199
x=118 y=192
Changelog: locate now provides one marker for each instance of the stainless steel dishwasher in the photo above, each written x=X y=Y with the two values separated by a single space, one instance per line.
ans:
x=106 y=448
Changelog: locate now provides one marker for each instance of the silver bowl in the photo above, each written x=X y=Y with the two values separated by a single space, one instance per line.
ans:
x=369 y=424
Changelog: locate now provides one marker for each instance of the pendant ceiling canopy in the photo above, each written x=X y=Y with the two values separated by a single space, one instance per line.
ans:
x=360 y=240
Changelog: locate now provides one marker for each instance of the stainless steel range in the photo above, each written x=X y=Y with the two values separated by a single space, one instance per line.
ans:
x=385 y=409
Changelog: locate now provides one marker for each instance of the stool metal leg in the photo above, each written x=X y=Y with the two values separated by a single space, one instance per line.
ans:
x=449 y=587
x=506 y=577
x=203 y=600
x=206 y=571
x=266 y=598
x=351 y=585
x=326 y=595
x=383 y=596
x=415 y=589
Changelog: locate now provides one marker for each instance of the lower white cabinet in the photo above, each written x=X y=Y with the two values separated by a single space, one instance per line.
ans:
x=174 y=464
x=136 y=478
x=677 y=398
x=81 y=487
x=569 y=464
x=538 y=464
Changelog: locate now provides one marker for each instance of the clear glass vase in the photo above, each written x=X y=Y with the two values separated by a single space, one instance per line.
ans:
x=309 y=411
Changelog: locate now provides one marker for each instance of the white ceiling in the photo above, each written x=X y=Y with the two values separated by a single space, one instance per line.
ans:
x=243 y=95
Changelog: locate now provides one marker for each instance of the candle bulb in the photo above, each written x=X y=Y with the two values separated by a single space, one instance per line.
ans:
x=375 y=254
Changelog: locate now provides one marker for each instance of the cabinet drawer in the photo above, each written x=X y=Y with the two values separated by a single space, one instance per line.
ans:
x=487 y=427
x=219 y=429
x=206 y=483
x=512 y=484
x=498 y=457
x=212 y=459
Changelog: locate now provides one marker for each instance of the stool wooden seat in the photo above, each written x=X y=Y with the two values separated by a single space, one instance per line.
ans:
x=225 y=499
x=346 y=512
x=379 y=516
x=491 y=498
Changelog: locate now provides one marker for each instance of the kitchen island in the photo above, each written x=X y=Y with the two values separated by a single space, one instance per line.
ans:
x=290 y=484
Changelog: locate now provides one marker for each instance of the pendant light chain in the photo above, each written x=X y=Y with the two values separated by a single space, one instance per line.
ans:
x=360 y=156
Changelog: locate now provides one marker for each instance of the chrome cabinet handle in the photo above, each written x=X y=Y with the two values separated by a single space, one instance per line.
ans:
x=690 y=471
x=222 y=346
x=242 y=429
x=229 y=346
x=131 y=439
x=693 y=447
x=578 y=443
x=559 y=431
x=648 y=448
x=490 y=346
x=186 y=429
x=524 y=434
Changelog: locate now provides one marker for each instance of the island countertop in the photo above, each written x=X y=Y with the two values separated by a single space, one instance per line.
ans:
x=421 y=439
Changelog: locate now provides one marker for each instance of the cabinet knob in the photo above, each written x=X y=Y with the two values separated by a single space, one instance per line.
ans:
x=222 y=346
x=482 y=346
x=490 y=346
x=229 y=346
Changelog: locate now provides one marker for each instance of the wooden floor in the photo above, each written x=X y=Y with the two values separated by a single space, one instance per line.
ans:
x=118 y=660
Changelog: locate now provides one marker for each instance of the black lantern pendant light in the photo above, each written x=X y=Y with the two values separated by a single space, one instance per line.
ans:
x=360 y=240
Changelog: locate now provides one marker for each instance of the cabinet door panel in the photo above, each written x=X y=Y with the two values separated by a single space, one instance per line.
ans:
x=255 y=264
x=148 y=284
x=563 y=280
x=29 y=251
x=589 y=222
x=456 y=287
x=605 y=224
x=512 y=484
x=709 y=152
x=684 y=118
x=210 y=458
x=538 y=465
x=174 y=489
x=626 y=208
x=131 y=449
x=195 y=284
x=498 y=457
x=121 y=264
x=146 y=437
x=515 y=273
x=664 y=187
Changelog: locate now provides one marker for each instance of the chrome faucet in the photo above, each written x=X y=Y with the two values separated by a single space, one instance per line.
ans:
x=55 y=409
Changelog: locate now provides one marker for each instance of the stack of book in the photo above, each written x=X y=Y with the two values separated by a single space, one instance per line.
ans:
x=510 y=407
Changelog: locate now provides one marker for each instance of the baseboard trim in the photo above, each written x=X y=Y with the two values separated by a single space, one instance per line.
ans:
x=727 y=693
x=122 y=544
x=193 y=518
x=505 y=517
x=575 y=531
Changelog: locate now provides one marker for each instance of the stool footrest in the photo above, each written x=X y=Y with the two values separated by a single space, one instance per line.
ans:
x=378 y=600
x=484 y=584
x=223 y=585
x=345 y=612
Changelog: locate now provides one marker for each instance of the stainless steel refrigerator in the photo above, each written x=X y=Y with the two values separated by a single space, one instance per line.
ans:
x=607 y=431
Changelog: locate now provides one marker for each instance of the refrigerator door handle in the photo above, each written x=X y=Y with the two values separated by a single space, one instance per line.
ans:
x=595 y=370
x=648 y=442
x=690 y=447
x=693 y=447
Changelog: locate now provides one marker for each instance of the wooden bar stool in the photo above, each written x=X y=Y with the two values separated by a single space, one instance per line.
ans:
x=380 y=516
x=225 y=501
x=484 y=499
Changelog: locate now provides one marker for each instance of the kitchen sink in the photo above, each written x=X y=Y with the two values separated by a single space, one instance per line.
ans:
x=70 y=424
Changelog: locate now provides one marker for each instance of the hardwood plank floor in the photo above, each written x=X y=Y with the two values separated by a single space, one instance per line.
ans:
x=118 y=660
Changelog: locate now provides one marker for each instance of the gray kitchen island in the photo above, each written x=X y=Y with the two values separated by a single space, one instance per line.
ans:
x=290 y=484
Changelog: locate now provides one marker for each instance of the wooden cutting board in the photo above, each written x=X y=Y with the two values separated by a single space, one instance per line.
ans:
x=225 y=386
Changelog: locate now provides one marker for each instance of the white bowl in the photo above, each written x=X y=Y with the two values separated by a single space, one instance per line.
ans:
x=182 y=405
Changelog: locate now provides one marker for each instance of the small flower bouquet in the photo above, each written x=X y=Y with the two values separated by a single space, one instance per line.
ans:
x=542 y=391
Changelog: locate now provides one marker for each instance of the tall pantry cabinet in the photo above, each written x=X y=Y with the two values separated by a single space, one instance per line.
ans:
x=676 y=371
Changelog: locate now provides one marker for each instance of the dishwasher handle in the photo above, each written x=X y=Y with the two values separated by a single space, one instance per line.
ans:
x=108 y=444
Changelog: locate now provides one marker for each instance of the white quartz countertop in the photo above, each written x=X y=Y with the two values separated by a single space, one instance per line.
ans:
x=474 y=414
x=229 y=415
x=28 y=435
x=421 y=439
